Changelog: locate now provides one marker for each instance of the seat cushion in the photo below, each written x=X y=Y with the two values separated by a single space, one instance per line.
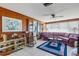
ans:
x=74 y=36
x=61 y=37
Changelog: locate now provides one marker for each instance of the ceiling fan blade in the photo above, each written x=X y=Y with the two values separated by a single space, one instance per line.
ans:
x=58 y=16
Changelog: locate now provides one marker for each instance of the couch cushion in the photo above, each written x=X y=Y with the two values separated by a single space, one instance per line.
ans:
x=74 y=36
x=66 y=35
x=61 y=37
x=61 y=34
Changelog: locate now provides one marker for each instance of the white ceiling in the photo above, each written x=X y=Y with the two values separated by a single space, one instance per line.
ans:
x=38 y=10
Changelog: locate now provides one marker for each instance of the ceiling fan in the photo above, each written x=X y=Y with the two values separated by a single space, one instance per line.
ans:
x=52 y=15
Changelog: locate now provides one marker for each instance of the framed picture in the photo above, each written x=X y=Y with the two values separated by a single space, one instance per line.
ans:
x=11 y=24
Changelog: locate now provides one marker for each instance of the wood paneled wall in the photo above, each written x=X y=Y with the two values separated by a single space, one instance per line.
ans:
x=16 y=15
x=12 y=14
x=0 y=24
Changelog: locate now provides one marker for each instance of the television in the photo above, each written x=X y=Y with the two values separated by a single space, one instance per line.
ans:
x=11 y=24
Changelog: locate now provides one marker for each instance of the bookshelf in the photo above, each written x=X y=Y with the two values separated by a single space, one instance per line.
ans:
x=20 y=43
x=12 y=45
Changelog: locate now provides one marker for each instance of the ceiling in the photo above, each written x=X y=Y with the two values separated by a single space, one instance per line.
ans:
x=38 y=10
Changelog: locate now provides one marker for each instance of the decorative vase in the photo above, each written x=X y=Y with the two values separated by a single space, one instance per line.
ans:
x=4 y=37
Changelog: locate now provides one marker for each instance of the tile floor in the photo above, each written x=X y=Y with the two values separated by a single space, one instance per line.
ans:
x=33 y=51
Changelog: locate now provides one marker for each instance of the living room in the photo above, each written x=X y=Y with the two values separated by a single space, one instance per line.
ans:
x=39 y=29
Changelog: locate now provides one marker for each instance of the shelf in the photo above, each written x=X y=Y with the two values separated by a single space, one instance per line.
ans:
x=20 y=43
x=5 y=47
x=10 y=40
x=19 y=47
x=19 y=39
x=2 y=43
x=6 y=53
x=5 y=42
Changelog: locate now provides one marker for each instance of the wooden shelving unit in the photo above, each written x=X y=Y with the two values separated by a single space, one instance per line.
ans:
x=20 y=43
x=12 y=45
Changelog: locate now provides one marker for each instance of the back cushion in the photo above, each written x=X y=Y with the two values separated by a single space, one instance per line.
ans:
x=62 y=34
x=66 y=35
x=74 y=36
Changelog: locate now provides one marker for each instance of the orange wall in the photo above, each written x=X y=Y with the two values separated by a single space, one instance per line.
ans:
x=9 y=13
x=0 y=24
x=12 y=14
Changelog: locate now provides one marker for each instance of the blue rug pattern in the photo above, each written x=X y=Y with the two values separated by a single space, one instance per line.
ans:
x=57 y=48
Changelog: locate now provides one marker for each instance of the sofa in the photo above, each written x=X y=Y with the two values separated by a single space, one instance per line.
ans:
x=72 y=39
x=67 y=38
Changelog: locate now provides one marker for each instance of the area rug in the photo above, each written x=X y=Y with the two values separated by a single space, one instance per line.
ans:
x=56 y=48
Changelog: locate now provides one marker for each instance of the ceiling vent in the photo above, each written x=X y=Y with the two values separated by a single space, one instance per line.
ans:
x=47 y=4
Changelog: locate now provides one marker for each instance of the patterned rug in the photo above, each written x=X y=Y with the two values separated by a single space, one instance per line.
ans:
x=57 y=48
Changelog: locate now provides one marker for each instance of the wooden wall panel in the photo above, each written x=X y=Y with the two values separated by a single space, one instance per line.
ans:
x=0 y=24
x=12 y=14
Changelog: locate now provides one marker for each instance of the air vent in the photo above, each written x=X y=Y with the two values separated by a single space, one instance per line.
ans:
x=53 y=15
x=47 y=4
